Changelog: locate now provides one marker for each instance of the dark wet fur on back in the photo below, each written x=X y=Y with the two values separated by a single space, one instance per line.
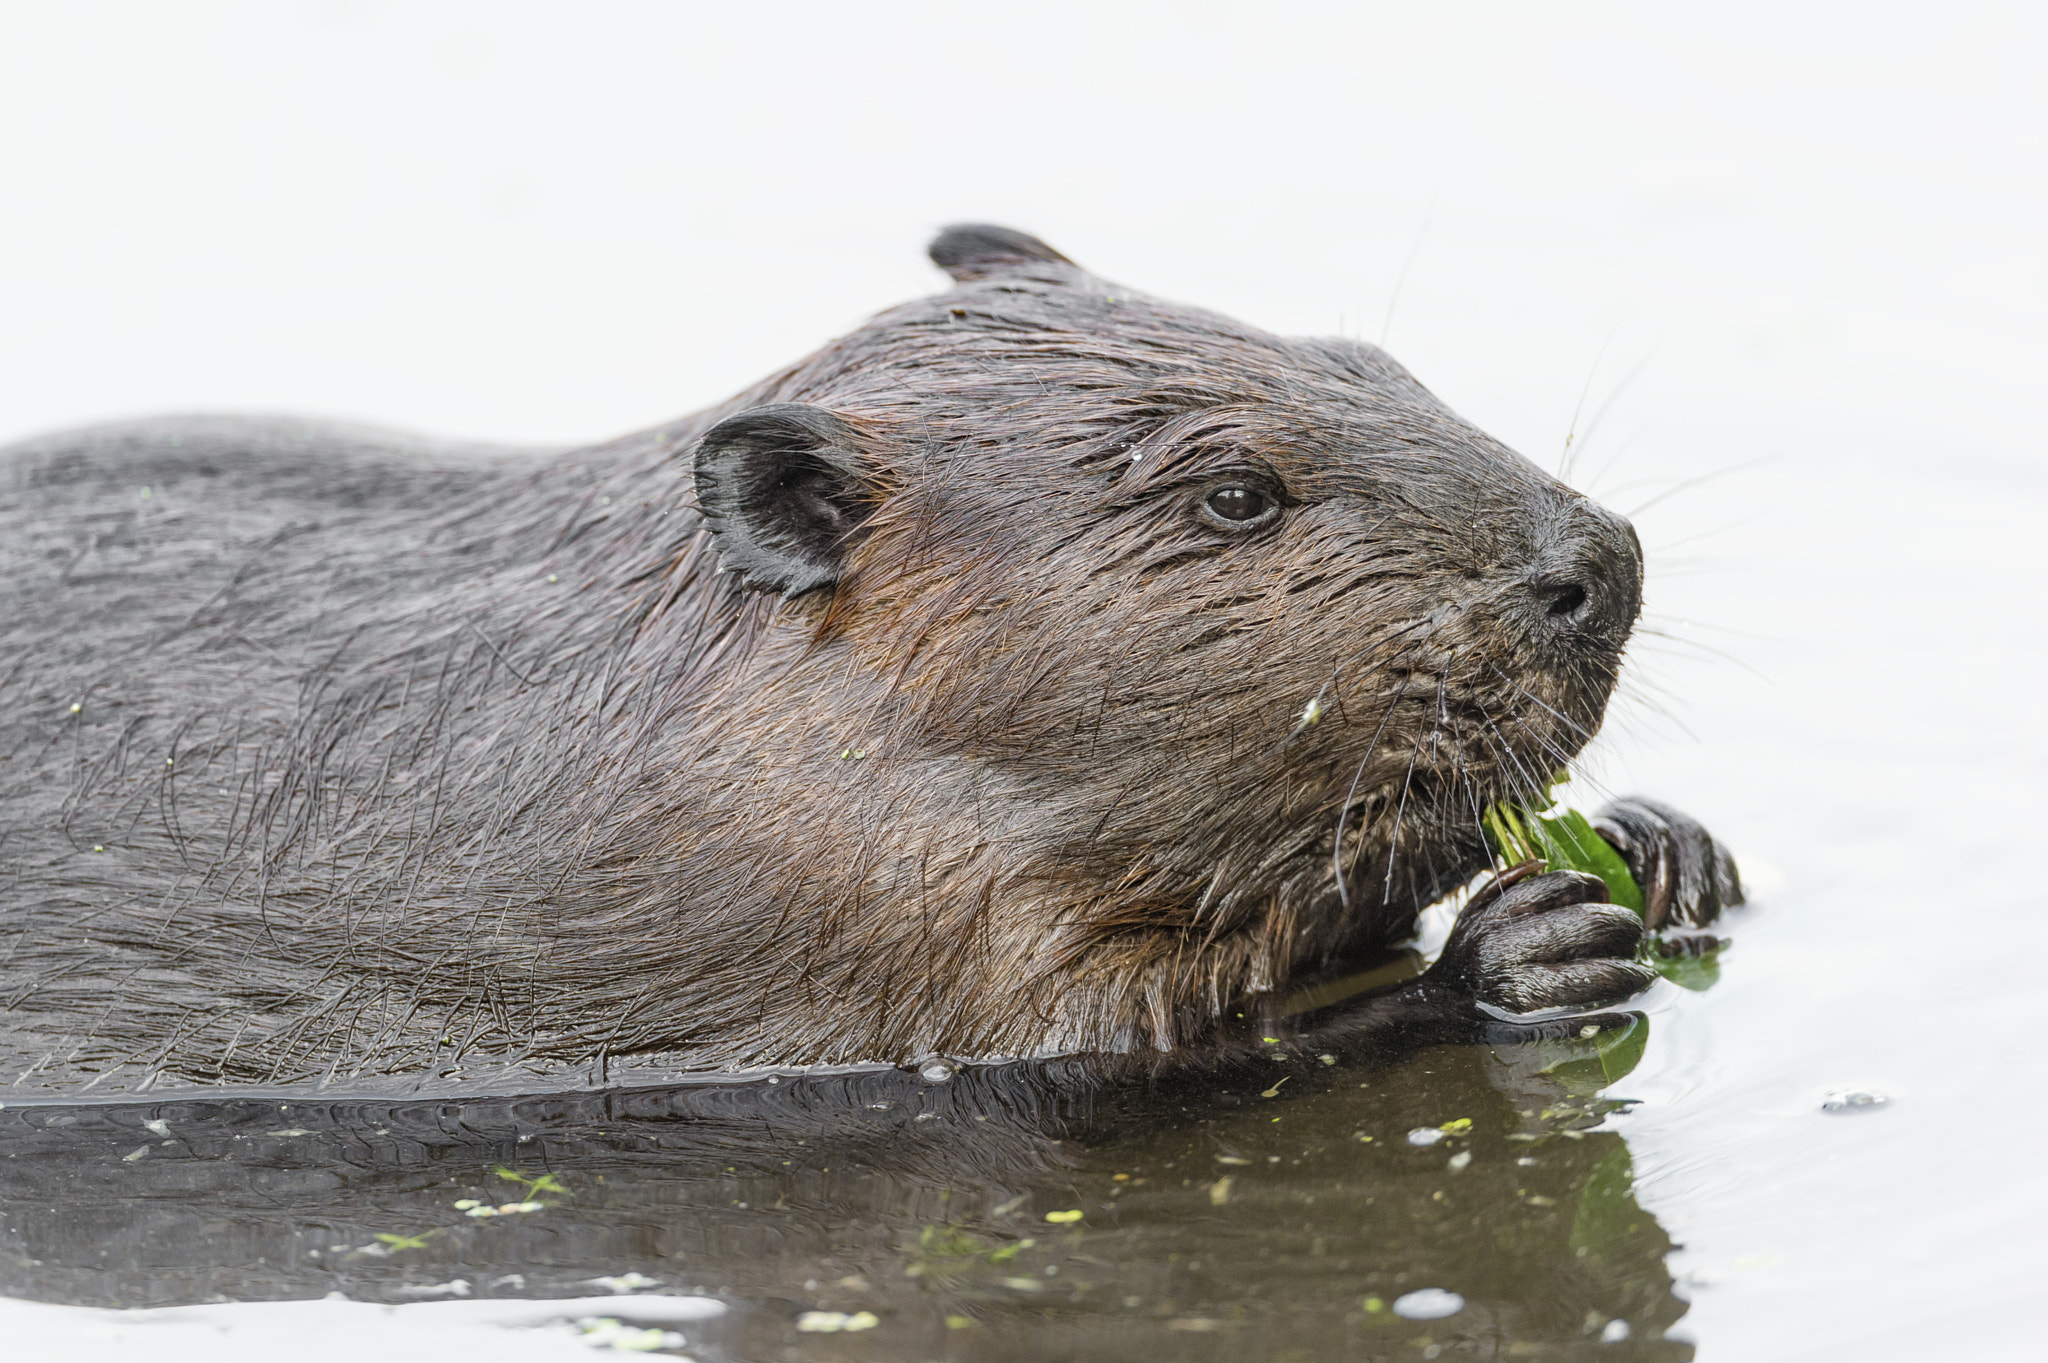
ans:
x=1049 y=763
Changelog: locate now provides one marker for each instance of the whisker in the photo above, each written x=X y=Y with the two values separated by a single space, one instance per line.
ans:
x=1584 y=733
x=1614 y=394
x=1343 y=810
x=1400 y=810
x=1702 y=478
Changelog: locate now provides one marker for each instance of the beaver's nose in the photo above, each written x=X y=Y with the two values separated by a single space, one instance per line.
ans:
x=1587 y=578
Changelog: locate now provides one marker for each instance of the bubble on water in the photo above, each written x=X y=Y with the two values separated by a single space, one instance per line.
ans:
x=1425 y=1135
x=937 y=1071
x=1853 y=1100
x=1429 y=1303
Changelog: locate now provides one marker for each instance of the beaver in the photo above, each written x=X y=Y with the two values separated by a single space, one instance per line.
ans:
x=1042 y=668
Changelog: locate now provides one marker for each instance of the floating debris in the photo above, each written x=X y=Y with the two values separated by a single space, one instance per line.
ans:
x=545 y=1183
x=1429 y=1303
x=469 y=1206
x=1853 y=1100
x=1426 y=1135
x=834 y=1322
x=624 y=1282
x=1615 y=1331
x=609 y=1332
x=1066 y=1218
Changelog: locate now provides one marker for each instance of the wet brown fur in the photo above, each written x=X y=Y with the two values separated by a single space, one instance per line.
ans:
x=391 y=757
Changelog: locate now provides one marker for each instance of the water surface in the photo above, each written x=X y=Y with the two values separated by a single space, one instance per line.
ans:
x=983 y=1216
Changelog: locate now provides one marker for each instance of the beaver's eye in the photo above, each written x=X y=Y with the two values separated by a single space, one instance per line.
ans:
x=1238 y=505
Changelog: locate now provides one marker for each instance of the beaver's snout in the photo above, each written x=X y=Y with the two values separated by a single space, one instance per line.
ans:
x=1586 y=582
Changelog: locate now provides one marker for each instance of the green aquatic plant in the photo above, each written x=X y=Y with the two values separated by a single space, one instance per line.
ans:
x=949 y=1252
x=1561 y=838
x=544 y=1183
x=1690 y=963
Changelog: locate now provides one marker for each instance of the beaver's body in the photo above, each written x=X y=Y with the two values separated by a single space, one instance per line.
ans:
x=1062 y=628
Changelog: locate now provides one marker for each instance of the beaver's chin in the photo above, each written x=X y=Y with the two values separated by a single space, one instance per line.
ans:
x=1427 y=820
x=1482 y=749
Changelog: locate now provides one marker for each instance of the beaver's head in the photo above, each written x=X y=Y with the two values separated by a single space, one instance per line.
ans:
x=1196 y=587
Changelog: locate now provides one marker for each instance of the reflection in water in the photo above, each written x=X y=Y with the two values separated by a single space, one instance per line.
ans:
x=998 y=1214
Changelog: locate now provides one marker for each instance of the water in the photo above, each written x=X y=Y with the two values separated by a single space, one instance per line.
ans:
x=1809 y=236
x=989 y=1215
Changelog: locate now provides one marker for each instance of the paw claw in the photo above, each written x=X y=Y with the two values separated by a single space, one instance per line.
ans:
x=1580 y=984
x=1686 y=877
x=1548 y=941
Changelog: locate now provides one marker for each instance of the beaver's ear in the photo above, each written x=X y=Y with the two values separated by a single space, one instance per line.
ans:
x=969 y=250
x=784 y=493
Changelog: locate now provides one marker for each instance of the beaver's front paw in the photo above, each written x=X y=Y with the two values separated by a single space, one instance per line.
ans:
x=1547 y=941
x=1686 y=878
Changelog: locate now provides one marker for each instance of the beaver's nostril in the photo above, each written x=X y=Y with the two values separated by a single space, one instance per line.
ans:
x=1582 y=584
x=1565 y=599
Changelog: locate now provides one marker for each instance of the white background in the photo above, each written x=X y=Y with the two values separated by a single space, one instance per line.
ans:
x=1791 y=256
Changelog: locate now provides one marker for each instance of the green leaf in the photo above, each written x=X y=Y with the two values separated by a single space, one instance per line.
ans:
x=1697 y=973
x=1564 y=840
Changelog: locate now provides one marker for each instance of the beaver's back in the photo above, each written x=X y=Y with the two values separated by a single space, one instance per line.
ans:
x=115 y=540
x=169 y=590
